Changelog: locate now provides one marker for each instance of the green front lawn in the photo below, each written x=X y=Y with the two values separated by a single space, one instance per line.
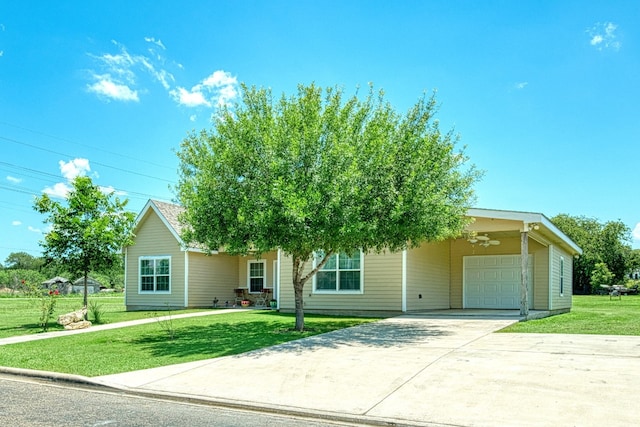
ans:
x=590 y=314
x=148 y=346
x=19 y=316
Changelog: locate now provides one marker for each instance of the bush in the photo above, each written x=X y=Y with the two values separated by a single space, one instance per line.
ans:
x=15 y=279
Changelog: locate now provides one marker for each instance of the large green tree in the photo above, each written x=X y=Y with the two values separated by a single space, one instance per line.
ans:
x=601 y=243
x=23 y=261
x=88 y=231
x=317 y=174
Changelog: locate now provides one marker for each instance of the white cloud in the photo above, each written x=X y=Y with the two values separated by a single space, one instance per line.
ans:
x=219 y=89
x=636 y=232
x=603 y=36
x=33 y=229
x=192 y=98
x=109 y=189
x=13 y=179
x=16 y=223
x=106 y=86
x=156 y=42
x=69 y=170
x=120 y=74
x=193 y=117
x=74 y=168
x=59 y=190
x=521 y=85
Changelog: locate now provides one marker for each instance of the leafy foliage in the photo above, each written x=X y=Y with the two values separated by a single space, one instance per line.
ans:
x=321 y=172
x=601 y=243
x=88 y=232
x=22 y=261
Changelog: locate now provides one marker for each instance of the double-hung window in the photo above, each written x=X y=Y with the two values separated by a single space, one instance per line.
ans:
x=257 y=275
x=341 y=273
x=155 y=274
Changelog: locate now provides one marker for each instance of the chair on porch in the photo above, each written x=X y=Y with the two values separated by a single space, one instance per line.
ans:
x=261 y=300
x=240 y=295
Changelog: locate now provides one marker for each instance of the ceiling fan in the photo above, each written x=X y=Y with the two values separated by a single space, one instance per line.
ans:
x=483 y=240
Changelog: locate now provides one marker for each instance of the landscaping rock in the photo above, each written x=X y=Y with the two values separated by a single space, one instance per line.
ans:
x=73 y=317
x=78 y=325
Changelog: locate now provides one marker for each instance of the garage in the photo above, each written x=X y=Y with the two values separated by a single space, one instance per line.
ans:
x=493 y=281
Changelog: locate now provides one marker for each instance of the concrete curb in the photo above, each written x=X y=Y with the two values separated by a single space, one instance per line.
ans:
x=88 y=382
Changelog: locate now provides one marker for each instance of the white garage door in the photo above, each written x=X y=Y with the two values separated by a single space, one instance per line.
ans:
x=493 y=281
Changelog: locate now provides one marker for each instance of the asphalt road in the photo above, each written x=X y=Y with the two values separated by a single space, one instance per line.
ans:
x=36 y=403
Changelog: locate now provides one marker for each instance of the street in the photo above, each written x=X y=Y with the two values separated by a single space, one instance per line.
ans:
x=30 y=402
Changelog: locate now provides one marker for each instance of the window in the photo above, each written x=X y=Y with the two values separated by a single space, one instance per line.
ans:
x=257 y=275
x=155 y=274
x=342 y=273
x=561 y=275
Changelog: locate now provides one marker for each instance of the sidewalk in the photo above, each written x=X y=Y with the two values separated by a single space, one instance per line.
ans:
x=96 y=328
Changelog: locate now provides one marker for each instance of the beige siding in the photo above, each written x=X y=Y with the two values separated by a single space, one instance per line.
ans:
x=243 y=269
x=382 y=277
x=212 y=276
x=541 y=279
x=561 y=301
x=154 y=239
x=428 y=277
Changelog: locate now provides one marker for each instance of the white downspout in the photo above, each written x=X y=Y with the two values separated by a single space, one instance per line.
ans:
x=404 y=281
x=186 y=279
x=277 y=284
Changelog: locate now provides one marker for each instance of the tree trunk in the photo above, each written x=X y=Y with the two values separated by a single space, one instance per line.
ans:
x=86 y=289
x=298 y=286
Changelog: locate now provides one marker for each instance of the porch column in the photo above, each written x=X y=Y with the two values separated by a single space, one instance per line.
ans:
x=524 y=285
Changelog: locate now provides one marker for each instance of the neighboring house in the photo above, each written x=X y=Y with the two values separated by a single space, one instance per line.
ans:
x=479 y=270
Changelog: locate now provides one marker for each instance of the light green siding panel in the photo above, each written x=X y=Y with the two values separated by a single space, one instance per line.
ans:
x=561 y=301
x=212 y=276
x=428 y=277
x=382 y=275
x=541 y=279
x=154 y=239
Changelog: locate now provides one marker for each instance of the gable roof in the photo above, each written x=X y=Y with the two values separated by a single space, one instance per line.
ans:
x=168 y=214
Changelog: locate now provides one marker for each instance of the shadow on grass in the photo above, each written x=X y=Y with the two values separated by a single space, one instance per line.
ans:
x=273 y=333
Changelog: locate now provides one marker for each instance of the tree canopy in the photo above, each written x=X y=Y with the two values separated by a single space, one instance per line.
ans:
x=605 y=243
x=23 y=261
x=88 y=231
x=321 y=173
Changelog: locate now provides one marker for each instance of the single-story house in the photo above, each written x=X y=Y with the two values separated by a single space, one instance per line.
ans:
x=481 y=269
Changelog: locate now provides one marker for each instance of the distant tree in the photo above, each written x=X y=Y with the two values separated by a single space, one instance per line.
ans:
x=23 y=261
x=601 y=276
x=634 y=264
x=600 y=242
x=317 y=175
x=88 y=231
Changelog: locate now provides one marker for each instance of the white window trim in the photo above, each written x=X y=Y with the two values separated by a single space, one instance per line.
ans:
x=154 y=257
x=264 y=276
x=337 y=291
x=561 y=275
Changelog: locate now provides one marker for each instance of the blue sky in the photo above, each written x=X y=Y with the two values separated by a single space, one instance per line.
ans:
x=544 y=94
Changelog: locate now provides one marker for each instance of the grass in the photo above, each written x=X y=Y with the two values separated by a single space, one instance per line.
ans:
x=590 y=314
x=148 y=346
x=19 y=316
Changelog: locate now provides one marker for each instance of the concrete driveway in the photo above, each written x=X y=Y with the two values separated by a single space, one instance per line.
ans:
x=415 y=370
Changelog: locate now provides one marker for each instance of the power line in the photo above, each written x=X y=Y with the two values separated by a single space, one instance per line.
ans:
x=26 y=144
x=113 y=153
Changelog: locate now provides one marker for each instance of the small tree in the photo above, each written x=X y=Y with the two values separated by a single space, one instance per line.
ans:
x=315 y=174
x=88 y=232
x=601 y=276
